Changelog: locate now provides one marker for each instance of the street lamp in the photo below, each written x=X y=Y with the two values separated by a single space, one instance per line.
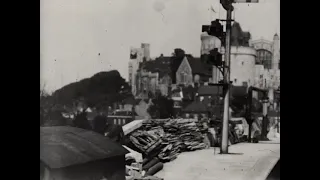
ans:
x=265 y=102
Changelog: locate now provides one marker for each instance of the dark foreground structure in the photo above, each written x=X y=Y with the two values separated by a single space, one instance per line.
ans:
x=68 y=153
x=275 y=172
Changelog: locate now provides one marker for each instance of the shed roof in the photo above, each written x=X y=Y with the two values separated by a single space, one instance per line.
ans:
x=63 y=146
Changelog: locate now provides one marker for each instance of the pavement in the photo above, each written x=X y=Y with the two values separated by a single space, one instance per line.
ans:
x=245 y=161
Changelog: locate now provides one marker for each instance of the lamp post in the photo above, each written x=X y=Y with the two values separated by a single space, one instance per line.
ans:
x=265 y=102
x=227 y=5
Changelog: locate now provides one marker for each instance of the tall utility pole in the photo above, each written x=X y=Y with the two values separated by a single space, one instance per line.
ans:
x=227 y=5
x=226 y=77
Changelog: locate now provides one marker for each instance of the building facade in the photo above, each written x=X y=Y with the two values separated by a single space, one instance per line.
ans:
x=267 y=70
x=242 y=64
x=192 y=70
x=253 y=63
x=242 y=59
x=154 y=75
x=268 y=52
x=137 y=56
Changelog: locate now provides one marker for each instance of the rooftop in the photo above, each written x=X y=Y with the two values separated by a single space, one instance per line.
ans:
x=63 y=146
x=164 y=65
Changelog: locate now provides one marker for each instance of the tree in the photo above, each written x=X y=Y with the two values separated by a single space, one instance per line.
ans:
x=104 y=88
x=179 y=52
x=101 y=90
x=51 y=112
x=161 y=107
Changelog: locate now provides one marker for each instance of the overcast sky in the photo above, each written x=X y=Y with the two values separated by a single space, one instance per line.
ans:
x=74 y=32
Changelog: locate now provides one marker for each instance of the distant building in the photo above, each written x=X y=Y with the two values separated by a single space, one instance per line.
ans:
x=154 y=75
x=267 y=70
x=192 y=70
x=242 y=57
x=242 y=61
x=158 y=75
x=268 y=52
x=196 y=110
x=137 y=56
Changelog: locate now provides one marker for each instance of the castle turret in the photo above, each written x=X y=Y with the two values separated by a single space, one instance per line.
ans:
x=276 y=52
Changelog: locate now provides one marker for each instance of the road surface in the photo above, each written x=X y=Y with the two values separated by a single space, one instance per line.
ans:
x=246 y=161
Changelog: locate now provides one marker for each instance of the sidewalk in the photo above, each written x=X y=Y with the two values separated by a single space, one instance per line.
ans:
x=246 y=161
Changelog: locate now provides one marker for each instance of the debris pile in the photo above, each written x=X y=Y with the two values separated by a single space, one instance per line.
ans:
x=164 y=139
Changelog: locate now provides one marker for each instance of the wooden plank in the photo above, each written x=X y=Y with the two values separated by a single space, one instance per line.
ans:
x=132 y=126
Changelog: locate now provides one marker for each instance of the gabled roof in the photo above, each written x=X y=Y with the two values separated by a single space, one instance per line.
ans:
x=62 y=146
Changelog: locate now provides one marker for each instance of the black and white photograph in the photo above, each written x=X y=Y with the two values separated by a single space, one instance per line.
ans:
x=159 y=89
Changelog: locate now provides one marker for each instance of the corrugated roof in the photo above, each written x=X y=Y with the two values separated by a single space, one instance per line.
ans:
x=63 y=146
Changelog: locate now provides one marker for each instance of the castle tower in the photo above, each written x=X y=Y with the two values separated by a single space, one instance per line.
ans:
x=276 y=52
x=146 y=50
x=136 y=56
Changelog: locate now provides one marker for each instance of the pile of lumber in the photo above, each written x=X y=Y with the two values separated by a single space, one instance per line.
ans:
x=162 y=140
